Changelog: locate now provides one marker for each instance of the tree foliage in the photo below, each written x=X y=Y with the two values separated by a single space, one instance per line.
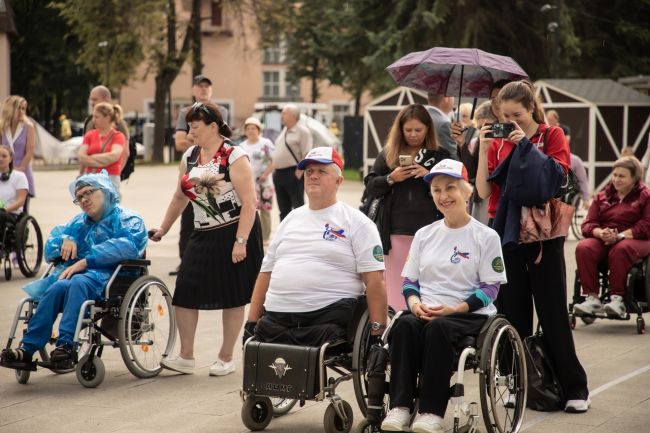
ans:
x=113 y=34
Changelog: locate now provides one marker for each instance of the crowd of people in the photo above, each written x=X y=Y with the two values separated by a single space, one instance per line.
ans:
x=445 y=246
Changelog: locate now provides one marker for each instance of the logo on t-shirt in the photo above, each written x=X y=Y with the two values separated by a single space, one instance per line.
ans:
x=332 y=233
x=378 y=253
x=497 y=264
x=456 y=256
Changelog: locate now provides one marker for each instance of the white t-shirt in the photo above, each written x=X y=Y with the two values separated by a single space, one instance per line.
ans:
x=260 y=154
x=450 y=264
x=17 y=180
x=214 y=199
x=316 y=258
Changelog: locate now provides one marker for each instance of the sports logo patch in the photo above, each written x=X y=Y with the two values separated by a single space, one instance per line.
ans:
x=456 y=256
x=378 y=253
x=331 y=233
x=497 y=264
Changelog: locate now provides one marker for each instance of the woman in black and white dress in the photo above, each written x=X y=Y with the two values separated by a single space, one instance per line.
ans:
x=224 y=253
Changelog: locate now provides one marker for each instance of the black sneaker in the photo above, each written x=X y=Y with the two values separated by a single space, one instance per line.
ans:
x=15 y=355
x=60 y=354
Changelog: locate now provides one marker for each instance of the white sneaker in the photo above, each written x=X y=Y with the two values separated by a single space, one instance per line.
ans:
x=591 y=305
x=616 y=307
x=427 y=423
x=222 y=368
x=577 y=406
x=176 y=363
x=397 y=419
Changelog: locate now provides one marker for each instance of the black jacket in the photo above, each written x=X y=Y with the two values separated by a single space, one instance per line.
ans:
x=408 y=205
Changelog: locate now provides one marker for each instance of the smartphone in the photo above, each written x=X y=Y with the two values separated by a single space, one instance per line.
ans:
x=405 y=160
x=500 y=130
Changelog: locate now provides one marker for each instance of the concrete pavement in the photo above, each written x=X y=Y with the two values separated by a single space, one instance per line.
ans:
x=617 y=360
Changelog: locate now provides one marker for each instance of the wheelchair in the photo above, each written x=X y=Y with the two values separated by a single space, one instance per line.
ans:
x=497 y=355
x=24 y=239
x=277 y=376
x=636 y=297
x=135 y=315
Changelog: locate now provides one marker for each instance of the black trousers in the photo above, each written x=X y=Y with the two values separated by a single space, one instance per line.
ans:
x=427 y=348
x=187 y=227
x=545 y=283
x=289 y=190
x=5 y=218
x=313 y=328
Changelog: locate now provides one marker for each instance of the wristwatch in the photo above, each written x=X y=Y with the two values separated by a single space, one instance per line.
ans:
x=376 y=326
x=240 y=240
x=390 y=180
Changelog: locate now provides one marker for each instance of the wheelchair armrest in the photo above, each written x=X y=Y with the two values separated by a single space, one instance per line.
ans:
x=136 y=262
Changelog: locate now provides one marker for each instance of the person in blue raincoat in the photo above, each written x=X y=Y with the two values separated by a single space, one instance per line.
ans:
x=90 y=245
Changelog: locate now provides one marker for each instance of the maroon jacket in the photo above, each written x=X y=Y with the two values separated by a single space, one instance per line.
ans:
x=607 y=211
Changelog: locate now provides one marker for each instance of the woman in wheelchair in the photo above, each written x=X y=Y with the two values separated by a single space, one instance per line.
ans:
x=616 y=229
x=13 y=190
x=89 y=246
x=451 y=278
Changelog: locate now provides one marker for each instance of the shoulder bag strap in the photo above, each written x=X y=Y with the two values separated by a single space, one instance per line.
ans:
x=108 y=140
x=286 y=143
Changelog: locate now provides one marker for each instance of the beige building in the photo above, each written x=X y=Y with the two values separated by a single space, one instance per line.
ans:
x=242 y=74
x=6 y=26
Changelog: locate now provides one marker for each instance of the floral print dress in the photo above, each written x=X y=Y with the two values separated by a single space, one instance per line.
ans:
x=261 y=154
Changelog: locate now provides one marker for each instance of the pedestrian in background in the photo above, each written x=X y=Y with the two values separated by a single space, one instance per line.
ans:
x=103 y=147
x=18 y=133
x=260 y=151
x=224 y=253
x=535 y=271
x=407 y=203
x=440 y=108
x=292 y=145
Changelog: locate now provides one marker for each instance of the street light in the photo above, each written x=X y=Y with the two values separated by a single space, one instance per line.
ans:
x=104 y=44
x=552 y=28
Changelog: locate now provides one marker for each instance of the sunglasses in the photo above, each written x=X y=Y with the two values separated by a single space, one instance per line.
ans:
x=200 y=107
x=86 y=194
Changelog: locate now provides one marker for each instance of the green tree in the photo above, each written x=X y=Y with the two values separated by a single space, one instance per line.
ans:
x=43 y=68
x=113 y=34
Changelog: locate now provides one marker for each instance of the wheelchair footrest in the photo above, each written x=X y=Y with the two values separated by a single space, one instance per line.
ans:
x=19 y=365
x=67 y=364
x=279 y=370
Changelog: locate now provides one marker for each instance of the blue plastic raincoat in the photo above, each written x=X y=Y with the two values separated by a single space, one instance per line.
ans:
x=119 y=235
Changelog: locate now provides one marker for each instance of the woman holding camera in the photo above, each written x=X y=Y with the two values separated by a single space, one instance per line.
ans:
x=534 y=270
x=410 y=152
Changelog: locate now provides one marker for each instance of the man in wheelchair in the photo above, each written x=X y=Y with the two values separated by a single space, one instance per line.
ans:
x=317 y=265
x=88 y=249
x=451 y=277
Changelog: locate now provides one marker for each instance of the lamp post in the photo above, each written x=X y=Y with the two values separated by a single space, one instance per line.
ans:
x=104 y=44
x=552 y=28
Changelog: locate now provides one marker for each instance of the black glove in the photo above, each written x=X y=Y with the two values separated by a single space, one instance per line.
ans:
x=249 y=330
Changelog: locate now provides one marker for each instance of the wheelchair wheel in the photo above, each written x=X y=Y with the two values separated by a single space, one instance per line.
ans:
x=359 y=360
x=503 y=373
x=22 y=376
x=147 y=326
x=282 y=406
x=29 y=246
x=90 y=373
x=578 y=216
x=256 y=413
x=7 y=265
x=333 y=423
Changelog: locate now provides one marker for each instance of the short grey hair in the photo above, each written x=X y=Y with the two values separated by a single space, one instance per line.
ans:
x=293 y=109
x=103 y=91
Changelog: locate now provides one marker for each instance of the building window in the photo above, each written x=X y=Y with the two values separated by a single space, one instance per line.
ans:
x=339 y=111
x=291 y=88
x=216 y=13
x=272 y=55
x=271 y=84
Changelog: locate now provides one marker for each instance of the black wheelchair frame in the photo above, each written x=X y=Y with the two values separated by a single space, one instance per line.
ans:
x=24 y=238
x=498 y=343
x=301 y=373
x=636 y=297
x=136 y=315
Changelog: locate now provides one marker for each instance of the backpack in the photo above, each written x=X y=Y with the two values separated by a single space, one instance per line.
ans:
x=129 y=166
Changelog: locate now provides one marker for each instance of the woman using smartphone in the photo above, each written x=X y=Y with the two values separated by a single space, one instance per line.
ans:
x=535 y=271
x=408 y=205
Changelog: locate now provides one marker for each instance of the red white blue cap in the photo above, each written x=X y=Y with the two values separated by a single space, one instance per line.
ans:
x=322 y=155
x=448 y=167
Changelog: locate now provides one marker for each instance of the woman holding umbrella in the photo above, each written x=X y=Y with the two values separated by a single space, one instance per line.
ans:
x=535 y=271
x=410 y=152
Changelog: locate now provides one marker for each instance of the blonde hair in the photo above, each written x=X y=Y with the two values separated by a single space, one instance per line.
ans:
x=466 y=109
x=632 y=164
x=9 y=109
x=113 y=112
x=484 y=111
x=396 y=143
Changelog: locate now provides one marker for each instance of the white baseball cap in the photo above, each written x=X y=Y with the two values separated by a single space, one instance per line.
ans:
x=448 y=167
x=322 y=155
